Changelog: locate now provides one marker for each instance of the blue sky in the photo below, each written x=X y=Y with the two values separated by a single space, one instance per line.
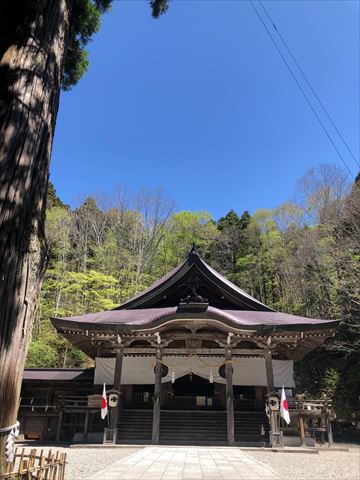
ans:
x=200 y=103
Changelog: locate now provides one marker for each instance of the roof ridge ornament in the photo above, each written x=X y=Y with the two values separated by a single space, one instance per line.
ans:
x=193 y=284
x=194 y=250
x=193 y=302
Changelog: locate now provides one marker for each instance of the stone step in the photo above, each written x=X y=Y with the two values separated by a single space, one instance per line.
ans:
x=192 y=427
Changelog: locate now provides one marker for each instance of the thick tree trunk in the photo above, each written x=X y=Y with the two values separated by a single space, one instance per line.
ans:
x=32 y=45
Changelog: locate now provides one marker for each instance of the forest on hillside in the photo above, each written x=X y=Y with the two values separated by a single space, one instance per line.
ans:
x=302 y=257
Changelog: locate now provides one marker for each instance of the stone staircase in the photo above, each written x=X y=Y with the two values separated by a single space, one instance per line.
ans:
x=249 y=431
x=135 y=426
x=183 y=427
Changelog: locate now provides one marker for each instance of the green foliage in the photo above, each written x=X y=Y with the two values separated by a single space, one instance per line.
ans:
x=158 y=7
x=75 y=65
x=85 y=21
x=99 y=257
x=49 y=349
x=326 y=376
x=52 y=199
x=230 y=220
x=331 y=380
x=41 y=355
x=185 y=229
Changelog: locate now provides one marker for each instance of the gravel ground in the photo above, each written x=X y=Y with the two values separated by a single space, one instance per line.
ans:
x=84 y=462
x=327 y=465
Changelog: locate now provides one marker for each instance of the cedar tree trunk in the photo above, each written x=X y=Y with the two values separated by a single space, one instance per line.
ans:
x=33 y=40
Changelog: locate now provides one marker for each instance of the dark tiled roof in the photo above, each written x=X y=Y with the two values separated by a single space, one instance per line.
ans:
x=194 y=265
x=59 y=374
x=160 y=302
x=158 y=283
x=148 y=316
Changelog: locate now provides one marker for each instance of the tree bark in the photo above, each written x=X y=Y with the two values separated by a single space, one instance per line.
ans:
x=32 y=46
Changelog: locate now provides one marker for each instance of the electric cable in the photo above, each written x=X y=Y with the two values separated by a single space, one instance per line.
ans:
x=301 y=89
x=308 y=82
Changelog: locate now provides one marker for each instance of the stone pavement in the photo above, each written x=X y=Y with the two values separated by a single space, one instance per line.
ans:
x=188 y=463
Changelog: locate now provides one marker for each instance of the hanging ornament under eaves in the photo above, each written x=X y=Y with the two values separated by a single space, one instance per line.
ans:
x=211 y=377
x=173 y=376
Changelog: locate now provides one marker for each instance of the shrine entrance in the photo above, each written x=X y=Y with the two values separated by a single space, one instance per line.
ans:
x=193 y=385
x=192 y=392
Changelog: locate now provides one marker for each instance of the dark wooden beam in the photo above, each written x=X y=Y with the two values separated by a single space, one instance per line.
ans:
x=270 y=388
x=117 y=386
x=302 y=431
x=329 y=431
x=86 y=427
x=58 y=427
x=157 y=398
x=229 y=397
x=269 y=371
x=187 y=351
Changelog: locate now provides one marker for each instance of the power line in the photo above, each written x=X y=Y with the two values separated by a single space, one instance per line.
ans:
x=300 y=88
x=308 y=82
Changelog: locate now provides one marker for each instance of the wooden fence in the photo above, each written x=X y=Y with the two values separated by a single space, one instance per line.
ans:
x=36 y=466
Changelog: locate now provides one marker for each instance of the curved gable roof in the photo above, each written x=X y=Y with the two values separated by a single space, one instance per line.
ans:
x=220 y=292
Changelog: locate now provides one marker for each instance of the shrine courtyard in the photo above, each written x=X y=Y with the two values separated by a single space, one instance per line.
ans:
x=193 y=368
x=213 y=463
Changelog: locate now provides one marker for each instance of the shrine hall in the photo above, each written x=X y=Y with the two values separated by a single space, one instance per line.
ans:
x=193 y=359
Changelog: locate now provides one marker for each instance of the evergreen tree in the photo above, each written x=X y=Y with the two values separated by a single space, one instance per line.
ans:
x=41 y=49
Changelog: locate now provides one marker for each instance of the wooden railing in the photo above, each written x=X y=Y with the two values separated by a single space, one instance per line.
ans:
x=181 y=401
x=142 y=397
x=74 y=401
x=60 y=402
x=175 y=401
x=190 y=401
x=36 y=403
x=36 y=466
x=309 y=405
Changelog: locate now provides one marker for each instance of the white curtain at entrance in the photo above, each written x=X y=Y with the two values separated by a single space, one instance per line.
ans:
x=247 y=371
x=193 y=364
x=140 y=370
x=135 y=370
x=252 y=371
x=284 y=373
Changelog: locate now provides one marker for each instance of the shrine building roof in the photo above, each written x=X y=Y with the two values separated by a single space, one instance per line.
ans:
x=192 y=290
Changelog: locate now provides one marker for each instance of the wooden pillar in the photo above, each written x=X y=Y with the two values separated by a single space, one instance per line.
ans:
x=99 y=351
x=329 y=432
x=274 y=431
x=58 y=428
x=229 y=397
x=323 y=425
x=117 y=386
x=269 y=371
x=157 y=398
x=86 y=426
x=302 y=431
